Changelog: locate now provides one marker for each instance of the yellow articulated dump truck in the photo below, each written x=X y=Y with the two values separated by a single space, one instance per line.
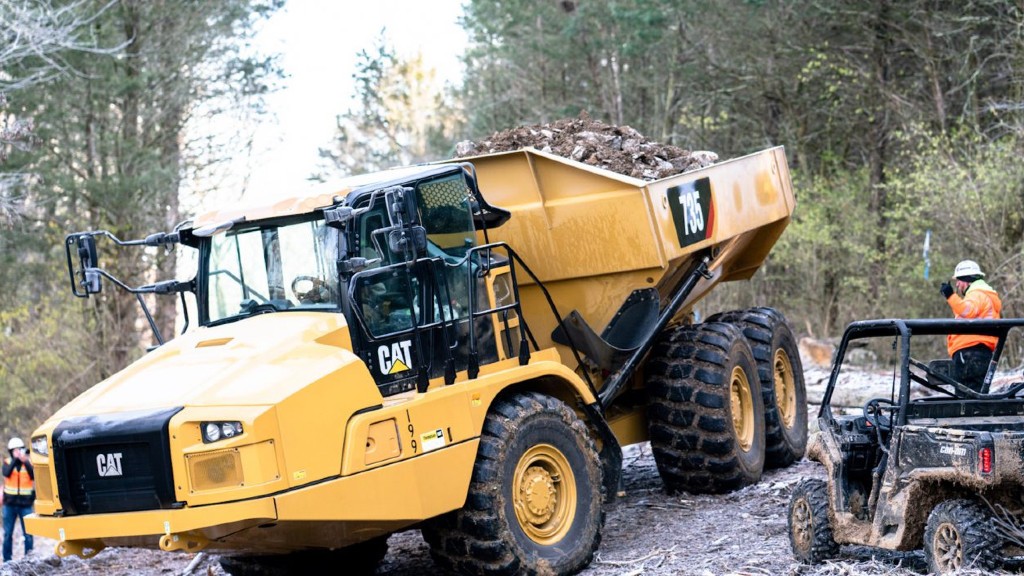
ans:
x=462 y=347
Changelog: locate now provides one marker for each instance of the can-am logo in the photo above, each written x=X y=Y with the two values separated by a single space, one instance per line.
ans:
x=109 y=464
x=954 y=450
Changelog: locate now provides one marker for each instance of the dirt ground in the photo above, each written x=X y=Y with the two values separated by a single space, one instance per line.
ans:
x=647 y=532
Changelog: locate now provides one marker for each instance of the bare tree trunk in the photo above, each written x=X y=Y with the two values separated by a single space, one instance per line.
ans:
x=880 y=133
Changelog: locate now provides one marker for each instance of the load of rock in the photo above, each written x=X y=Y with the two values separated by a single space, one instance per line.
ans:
x=620 y=149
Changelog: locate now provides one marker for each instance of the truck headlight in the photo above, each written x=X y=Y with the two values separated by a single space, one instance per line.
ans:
x=214 y=431
x=39 y=446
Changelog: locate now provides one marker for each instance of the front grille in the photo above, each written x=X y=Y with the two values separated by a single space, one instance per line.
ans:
x=114 y=462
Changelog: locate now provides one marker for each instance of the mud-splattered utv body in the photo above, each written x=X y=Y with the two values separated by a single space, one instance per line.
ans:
x=461 y=347
x=932 y=464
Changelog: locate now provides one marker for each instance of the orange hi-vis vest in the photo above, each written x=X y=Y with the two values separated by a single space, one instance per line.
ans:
x=19 y=483
x=979 y=302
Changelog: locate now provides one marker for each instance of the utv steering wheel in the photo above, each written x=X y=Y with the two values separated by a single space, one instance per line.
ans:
x=874 y=413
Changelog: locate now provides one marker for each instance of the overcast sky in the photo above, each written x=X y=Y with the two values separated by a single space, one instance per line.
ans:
x=319 y=40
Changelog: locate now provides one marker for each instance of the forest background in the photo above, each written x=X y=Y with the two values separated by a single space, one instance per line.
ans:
x=903 y=121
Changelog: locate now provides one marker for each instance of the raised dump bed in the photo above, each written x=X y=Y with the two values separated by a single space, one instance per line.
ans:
x=593 y=236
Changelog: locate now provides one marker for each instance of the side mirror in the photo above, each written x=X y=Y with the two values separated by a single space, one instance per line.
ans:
x=88 y=259
x=401 y=204
x=408 y=243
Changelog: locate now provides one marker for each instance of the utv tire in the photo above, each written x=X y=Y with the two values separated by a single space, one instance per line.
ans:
x=810 y=534
x=959 y=534
x=705 y=409
x=782 y=381
x=357 y=559
x=535 y=500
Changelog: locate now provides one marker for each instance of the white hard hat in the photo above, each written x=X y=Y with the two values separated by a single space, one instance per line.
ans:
x=15 y=443
x=967 y=268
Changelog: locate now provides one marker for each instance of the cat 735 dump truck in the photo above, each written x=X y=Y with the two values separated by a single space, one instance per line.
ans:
x=462 y=347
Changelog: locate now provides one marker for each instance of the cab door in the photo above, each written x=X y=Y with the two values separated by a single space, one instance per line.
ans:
x=413 y=306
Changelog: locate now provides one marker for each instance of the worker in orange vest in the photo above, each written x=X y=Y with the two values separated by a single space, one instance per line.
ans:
x=19 y=494
x=972 y=298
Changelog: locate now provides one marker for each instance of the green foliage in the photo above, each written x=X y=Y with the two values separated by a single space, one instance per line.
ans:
x=43 y=363
x=113 y=143
x=968 y=190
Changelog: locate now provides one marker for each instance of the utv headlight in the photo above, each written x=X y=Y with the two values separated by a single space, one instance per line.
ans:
x=39 y=446
x=214 y=431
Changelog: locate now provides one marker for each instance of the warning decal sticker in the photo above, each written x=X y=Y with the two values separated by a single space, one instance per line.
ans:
x=432 y=440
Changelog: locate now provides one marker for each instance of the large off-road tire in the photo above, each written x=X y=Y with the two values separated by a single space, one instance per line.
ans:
x=705 y=410
x=535 y=500
x=810 y=534
x=782 y=381
x=357 y=559
x=959 y=534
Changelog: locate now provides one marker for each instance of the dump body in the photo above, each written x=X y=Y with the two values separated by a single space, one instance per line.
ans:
x=593 y=236
x=365 y=353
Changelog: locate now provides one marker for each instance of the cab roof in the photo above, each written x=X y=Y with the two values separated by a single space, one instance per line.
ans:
x=350 y=188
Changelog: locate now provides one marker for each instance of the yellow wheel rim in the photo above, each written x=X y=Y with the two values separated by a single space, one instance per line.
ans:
x=785 y=388
x=947 y=548
x=544 y=494
x=742 y=408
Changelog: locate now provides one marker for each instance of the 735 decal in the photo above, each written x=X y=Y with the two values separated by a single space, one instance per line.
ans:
x=692 y=211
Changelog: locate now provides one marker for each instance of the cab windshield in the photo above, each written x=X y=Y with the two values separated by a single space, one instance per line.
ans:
x=270 y=267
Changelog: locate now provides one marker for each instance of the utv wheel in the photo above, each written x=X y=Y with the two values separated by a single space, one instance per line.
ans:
x=535 y=500
x=706 y=410
x=959 y=534
x=357 y=559
x=782 y=381
x=810 y=534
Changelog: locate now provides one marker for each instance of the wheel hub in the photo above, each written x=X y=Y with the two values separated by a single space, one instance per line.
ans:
x=538 y=494
x=742 y=408
x=544 y=494
x=948 y=548
x=802 y=525
x=785 y=388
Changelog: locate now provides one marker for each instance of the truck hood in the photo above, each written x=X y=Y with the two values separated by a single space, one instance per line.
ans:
x=268 y=357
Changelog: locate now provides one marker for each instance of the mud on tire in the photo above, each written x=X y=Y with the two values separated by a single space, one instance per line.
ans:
x=782 y=381
x=810 y=534
x=959 y=534
x=535 y=500
x=705 y=409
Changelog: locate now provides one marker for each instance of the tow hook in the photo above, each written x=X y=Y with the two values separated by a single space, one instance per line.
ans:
x=84 y=548
x=187 y=541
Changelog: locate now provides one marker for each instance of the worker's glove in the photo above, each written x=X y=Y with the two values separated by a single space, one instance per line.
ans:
x=946 y=290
